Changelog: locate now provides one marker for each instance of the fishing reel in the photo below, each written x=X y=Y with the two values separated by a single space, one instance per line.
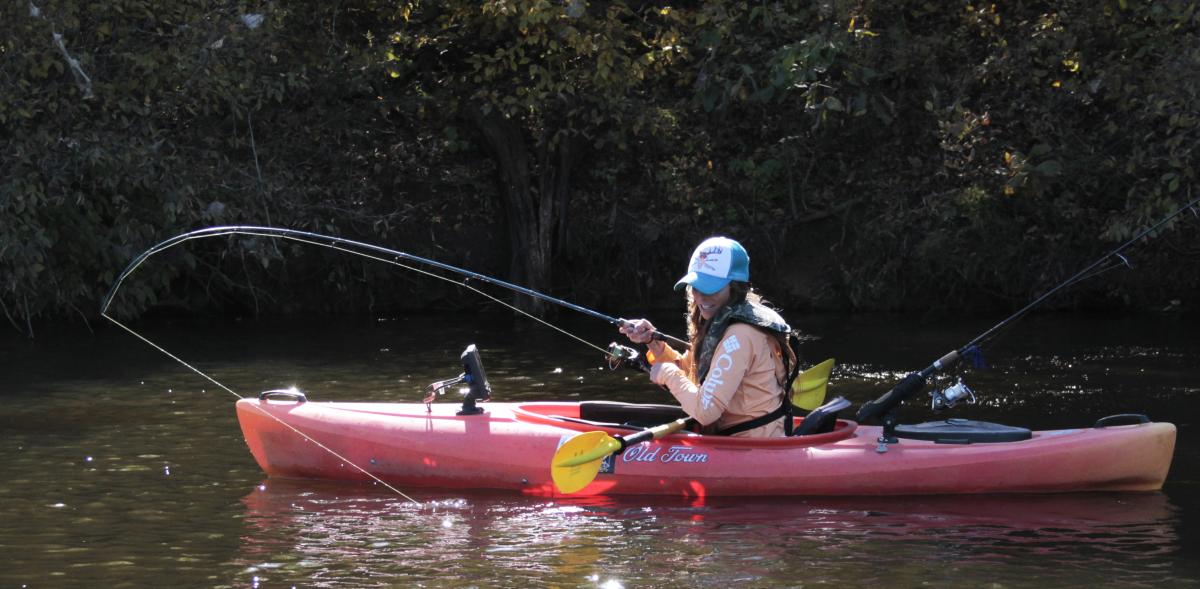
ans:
x=619 y=355
x=952 y=395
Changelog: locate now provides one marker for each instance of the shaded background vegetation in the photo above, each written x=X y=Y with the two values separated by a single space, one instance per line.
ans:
x=889 y=154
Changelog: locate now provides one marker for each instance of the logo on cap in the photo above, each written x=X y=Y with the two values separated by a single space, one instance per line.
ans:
x=702 y=262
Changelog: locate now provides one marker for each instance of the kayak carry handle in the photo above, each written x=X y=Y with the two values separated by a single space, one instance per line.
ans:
x=1121 y=419
x=283 y=395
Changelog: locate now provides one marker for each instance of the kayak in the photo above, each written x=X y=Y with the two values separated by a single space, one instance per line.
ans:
x=508 y=446
x=550 y=449
x=600 y=449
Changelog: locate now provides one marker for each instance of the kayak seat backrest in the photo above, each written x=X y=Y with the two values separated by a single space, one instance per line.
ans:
x=629 y=414
x=822 y=419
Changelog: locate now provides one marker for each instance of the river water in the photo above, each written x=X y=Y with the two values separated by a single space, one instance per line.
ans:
x=122 y=468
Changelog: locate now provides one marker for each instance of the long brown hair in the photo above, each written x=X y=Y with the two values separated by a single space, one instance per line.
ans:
x=698 y=326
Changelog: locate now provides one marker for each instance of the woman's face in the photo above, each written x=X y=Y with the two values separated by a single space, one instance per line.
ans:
x=709 y=304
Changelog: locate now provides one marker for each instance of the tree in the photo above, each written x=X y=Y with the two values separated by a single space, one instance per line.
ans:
x=541 y=84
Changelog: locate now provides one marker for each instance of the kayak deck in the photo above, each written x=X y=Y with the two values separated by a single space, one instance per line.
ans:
x=510 y=445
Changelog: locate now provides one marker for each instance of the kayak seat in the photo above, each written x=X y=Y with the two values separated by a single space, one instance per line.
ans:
x=635 y=415
x=822 y=419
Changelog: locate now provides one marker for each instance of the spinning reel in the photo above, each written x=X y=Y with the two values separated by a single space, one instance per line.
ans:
x=619 y=355
x=951 y=395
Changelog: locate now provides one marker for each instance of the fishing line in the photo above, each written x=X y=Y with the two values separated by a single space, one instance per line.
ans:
x=260 y=410
x=447 y=279
x=357 y=247
x=170 y=355
x=257 y=232
x=884 y=407
x=333 y=246
x=1124 y=263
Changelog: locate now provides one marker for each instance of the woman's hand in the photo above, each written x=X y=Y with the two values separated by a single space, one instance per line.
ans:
x=639 y=331
x=659 y=372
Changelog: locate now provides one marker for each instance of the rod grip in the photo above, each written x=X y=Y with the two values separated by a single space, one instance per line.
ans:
x=948 y=360
x=670 y=339
x=657 y=335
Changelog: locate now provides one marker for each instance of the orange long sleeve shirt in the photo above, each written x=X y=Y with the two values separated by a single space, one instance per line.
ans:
x=745 y=380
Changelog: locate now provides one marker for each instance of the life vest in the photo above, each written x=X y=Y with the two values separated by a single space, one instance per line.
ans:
x=767 y=320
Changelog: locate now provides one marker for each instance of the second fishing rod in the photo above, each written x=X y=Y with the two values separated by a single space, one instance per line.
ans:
x=885 y=406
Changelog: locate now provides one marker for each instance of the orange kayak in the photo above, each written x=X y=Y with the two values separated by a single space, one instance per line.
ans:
x=509 y=447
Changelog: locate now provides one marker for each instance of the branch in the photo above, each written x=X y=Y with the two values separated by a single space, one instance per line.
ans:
x=81 y=78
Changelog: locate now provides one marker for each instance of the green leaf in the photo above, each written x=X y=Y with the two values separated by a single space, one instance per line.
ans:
x=1049 y=168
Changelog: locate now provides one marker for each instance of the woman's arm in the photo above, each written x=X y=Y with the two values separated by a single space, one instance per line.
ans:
x=730 y=362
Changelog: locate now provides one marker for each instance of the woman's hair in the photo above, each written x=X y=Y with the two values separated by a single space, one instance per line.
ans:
x=698 y=327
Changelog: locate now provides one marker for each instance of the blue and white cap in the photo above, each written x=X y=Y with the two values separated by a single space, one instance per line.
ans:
x=716 y=262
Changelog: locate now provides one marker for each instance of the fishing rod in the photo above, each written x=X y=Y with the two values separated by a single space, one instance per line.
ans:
x=884 y=407
x=617 y=354
x=354 y=247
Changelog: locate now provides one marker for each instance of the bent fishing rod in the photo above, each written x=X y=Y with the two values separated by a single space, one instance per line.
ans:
x=617 y=354
x=914 y=382
x=356 y=247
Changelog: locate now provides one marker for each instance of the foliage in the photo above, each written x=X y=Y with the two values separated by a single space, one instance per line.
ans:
x=886 y=154
x=1064 y=124
x=195 y=113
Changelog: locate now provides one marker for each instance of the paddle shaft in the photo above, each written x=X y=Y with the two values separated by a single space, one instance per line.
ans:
x=342 y=243
x=653 y=433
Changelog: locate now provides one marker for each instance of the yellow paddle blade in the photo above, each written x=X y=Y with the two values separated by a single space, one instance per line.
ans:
x=577 y=461
x=808 y=391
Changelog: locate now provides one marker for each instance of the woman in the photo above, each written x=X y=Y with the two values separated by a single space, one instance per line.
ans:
x=733 y=377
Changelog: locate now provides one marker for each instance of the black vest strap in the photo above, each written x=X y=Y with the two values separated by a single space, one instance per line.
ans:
x=793 y=371
x=770 y=322
x=759 y=421
x=785 y=409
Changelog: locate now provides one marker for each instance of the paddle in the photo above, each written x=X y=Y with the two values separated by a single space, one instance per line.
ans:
x=808 y=390
x=577 y=462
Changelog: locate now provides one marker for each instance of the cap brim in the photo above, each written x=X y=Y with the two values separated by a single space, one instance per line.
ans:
x=704 y=283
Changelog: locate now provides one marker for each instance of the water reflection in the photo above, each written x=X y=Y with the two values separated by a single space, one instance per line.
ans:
x=320 y=534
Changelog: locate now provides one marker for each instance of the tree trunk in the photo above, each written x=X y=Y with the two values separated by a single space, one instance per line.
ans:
x=535 y=191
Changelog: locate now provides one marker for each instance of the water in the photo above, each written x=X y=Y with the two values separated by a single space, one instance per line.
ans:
x=121 y=468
